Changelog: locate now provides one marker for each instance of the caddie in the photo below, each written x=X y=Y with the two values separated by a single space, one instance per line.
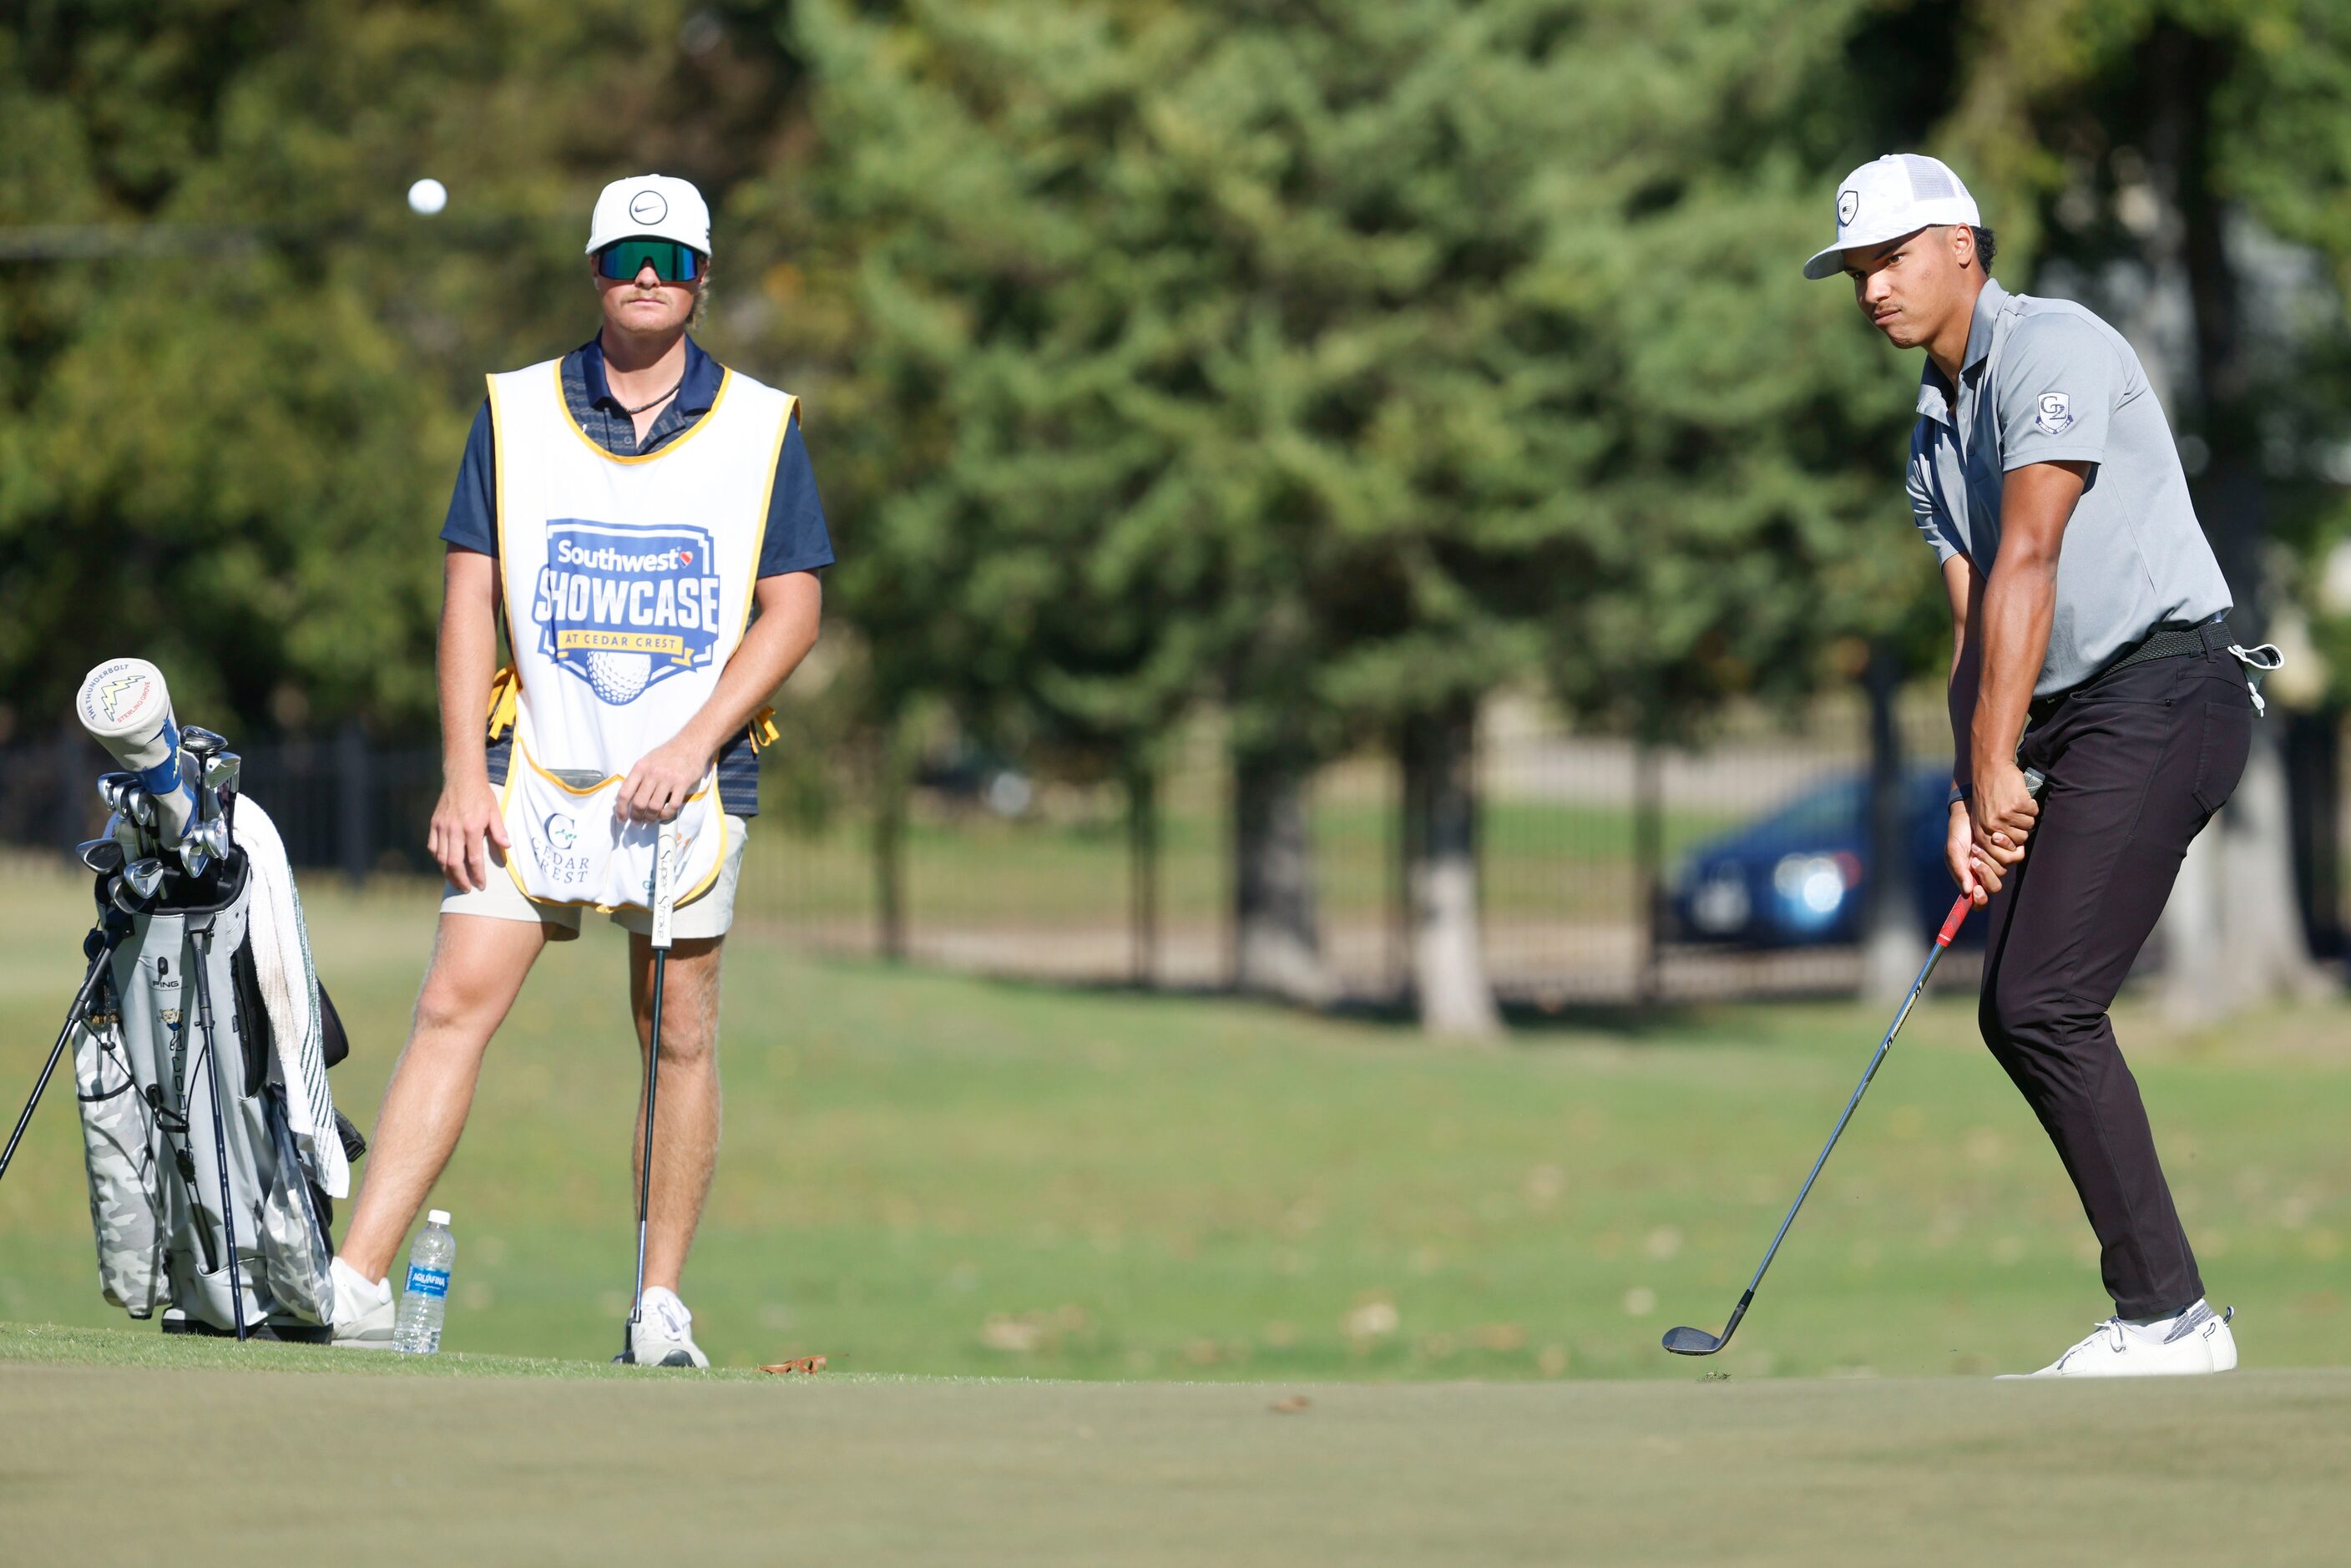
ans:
x=2089 y=644
x=643 y=524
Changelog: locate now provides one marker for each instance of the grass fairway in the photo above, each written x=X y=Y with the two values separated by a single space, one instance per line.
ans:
x=409 y=1464
x=926 y=1174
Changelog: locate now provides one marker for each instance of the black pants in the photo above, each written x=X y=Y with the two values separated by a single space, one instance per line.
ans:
x=2137 y=761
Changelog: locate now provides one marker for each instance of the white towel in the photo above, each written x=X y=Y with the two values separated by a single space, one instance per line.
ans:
x=289 y=992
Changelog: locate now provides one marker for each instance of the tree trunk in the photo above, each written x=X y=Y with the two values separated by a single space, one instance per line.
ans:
x=1648 y=869
x=890 y=845
x=1889 y=922
x=2259 y=946
x=1277 y=945
x=1449 y=957
x=1143 y=872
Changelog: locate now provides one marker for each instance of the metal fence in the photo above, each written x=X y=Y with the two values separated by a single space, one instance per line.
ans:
x=1038 y=878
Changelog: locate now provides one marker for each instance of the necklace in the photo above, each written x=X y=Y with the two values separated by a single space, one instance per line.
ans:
x=656 y=403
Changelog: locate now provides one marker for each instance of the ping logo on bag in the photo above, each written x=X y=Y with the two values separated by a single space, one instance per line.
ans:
x=624 y=609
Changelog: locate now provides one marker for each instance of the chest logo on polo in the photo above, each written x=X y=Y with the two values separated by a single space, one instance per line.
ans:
x=625 y=609
x=2056 y=414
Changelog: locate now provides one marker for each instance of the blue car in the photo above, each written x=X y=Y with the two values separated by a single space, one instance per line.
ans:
x=1800 y=877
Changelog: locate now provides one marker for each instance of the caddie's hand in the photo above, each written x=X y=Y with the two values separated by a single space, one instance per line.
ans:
x=2004 y=813
x=1959 y=856
x=467 y=813
x=657 y=788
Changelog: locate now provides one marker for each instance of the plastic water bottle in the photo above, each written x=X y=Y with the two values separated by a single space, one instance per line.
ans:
x=425 y=1301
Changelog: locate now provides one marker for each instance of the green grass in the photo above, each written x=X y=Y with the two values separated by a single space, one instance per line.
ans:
x=934 y=1175
x=113 y=1463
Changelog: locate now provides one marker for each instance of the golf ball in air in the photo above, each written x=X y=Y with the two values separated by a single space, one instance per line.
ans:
x=427 y=197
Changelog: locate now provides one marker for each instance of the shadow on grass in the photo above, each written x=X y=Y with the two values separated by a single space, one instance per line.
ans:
x=1531 y=1022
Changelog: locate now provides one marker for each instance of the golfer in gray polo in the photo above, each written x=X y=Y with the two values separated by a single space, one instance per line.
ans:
x=2089 y=644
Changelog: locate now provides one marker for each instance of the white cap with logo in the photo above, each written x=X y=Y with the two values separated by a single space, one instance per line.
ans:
x=655 y=206
x=1900 y=194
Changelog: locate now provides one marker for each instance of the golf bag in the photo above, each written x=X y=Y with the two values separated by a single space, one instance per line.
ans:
x=201 y=1042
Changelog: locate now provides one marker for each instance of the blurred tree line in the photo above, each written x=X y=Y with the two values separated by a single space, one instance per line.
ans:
x=1334 y=367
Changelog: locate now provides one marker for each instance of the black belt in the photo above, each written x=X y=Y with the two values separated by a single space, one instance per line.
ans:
x=2172 y=640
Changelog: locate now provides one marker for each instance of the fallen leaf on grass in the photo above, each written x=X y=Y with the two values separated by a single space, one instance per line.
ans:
x=797 y=1363
x=1290 y=1404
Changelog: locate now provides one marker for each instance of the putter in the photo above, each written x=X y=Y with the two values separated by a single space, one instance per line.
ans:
x=665 y=905
x=1698 y=1342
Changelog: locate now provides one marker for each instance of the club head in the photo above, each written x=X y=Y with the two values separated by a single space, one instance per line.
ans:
x=200 y=742
x=103 y=856
x=222 y=771
x=113 y=787
x=1692 y=1341
x=139 y=806
x=204 y=842
x=144 y=875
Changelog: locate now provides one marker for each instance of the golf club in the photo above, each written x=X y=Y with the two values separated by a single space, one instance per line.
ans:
x=665 y=905
x=1698 y=1342
x=144 y=875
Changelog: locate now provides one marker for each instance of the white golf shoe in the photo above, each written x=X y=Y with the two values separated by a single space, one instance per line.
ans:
x=664 y=1335
x=2194 y=1344
x=364 y=1312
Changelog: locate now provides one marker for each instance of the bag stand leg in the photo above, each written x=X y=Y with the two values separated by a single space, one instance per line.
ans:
x=202 y=937
x=99 y=946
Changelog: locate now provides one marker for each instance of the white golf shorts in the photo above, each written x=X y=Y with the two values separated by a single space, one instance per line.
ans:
x=709 y=916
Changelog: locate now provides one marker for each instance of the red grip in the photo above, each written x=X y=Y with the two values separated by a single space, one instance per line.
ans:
x=1954 y=920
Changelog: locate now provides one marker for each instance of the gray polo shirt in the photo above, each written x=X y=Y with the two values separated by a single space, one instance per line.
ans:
x=2064 y=387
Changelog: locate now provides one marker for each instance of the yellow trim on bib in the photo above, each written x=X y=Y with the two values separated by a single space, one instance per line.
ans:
x=766 y=502
x=499 y=453
x=725 y=379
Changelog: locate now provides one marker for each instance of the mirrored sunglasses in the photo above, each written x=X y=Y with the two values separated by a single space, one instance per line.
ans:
x=671 y=262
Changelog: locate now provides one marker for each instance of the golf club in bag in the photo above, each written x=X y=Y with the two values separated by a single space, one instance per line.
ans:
x=200 y=1040
x=1698 y=1342
x=666 y=854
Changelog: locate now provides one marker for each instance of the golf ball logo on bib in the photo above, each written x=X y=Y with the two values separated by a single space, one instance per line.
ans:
x=626 y=608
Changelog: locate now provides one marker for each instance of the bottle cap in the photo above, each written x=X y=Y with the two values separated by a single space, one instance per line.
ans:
x=437 y=1216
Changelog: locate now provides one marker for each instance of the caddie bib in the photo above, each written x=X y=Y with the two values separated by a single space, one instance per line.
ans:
x=627 y=584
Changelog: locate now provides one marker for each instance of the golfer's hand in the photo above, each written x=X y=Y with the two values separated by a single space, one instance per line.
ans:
x=656 y=788
x=2004 y=814
x=467 y=811
x=1959 y=856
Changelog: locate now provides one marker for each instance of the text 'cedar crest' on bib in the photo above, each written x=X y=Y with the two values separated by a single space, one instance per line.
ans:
x=627 y=585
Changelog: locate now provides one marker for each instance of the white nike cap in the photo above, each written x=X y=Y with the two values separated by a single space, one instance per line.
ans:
x=656 y=206
x=1900 y=194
